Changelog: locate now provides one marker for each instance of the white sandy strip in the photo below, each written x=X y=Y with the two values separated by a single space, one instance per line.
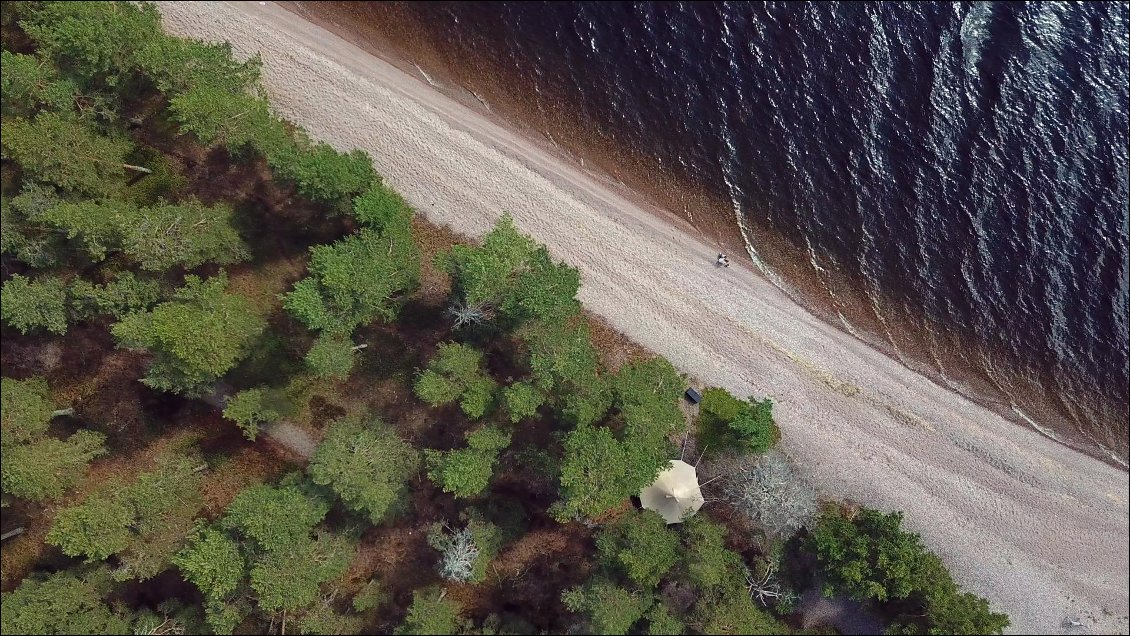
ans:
x=1038 y=529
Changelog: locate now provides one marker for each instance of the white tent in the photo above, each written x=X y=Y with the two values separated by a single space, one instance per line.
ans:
x=675 y=495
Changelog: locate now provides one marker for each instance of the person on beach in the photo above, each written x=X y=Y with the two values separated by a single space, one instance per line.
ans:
x=723 y=260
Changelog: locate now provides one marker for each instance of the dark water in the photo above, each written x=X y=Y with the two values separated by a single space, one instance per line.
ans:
x=964 y=165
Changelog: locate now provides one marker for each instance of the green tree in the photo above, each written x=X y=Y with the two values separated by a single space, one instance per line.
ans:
x=216 y=116
x=123 y=295
x=176 y=65
x=466 y=472
x=707 y=561
x=290 y=577
x=28 y=84
x=727 y=422
x=249 y=409
x=157 y=237
x=332 y=356
x=431 y=613
x=354 y=281
x=565 y=365
x=868 y=556
x=456 y=373
x=366 y=464
x=381 y=207
x=275 y=518
x=640 y=546
x=32 y=304
x=266 y=548
x=950 y=611
x=47 y=468
x=96 y=528
x=322 y=620
x=521 y=400
x=187 y=234
x=321 y=173
x=97 y=226
x=60 y=603
x=938 y=606
x=196 y=337
x=660 y=622
x=728 y=609
x=595 y=473
x=22 y=233
x=143 y=523
x=647 y=395
x=37 y=467
x=62 y=150
x=25 y=410
x=609 y=608
x=35 y=199
x=511 y=274
x=212 y=561
x=96 y=42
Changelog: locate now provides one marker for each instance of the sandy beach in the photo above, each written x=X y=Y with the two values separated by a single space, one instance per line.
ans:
x=1040 y=530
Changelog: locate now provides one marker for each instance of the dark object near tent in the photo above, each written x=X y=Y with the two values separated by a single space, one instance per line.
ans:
x=694 y=397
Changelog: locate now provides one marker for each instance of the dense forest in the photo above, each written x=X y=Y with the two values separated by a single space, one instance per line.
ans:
x=246 y=389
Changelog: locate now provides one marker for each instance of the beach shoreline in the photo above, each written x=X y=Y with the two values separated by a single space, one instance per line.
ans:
x=1025 y=396
x=996 y=501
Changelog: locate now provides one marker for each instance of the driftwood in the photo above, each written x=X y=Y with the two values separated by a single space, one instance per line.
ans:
x=12 y=533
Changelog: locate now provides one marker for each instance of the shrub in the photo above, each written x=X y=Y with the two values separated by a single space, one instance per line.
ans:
x=727 y=422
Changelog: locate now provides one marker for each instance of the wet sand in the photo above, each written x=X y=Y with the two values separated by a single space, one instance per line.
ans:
x=1038 y=529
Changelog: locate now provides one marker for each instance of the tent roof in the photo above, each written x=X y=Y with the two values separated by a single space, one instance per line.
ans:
x=675 y=494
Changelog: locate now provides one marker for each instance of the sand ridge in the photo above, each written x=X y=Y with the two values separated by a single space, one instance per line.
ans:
x=1040 y=530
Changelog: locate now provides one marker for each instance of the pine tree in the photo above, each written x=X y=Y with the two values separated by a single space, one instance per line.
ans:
x=466 y=472
x=365 y=464
x=196 y=337
x=354 y=281
x=456 y=373
x=60 y=149
x=33 y=304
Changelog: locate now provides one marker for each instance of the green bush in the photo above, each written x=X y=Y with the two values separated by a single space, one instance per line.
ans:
x=726 y=422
